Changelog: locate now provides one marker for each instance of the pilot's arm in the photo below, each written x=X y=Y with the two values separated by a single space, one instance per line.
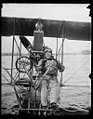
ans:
x=60 y=67
x=39 y=65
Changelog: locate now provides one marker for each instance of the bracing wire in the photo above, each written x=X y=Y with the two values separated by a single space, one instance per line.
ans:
x=12 y=78
x=6 y=79
x=17 y=44
x=76 y=71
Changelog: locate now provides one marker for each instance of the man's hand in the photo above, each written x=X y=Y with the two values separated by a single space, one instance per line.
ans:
x=61 y=67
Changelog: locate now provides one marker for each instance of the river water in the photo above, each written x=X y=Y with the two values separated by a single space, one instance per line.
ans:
x=75 y=96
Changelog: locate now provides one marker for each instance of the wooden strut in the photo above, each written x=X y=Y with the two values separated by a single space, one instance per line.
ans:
x=12 y=51
x=29 y=98
x=63 y=38
x=56 y=48
x=19 y=56
x=33 y=109
x=12 y=59
x=62 y=62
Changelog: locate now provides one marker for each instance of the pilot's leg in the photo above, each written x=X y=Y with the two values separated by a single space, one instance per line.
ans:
x=54 y=91
x=44 y=93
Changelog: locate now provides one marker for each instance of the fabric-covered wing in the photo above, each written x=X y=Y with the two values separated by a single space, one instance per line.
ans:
x=77 y=30
x=18 y=26
x=52 y=28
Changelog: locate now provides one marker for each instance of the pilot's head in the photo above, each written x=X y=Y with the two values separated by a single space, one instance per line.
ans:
x=48 y=53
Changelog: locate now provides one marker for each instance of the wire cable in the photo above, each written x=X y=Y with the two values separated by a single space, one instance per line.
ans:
x=76 y=71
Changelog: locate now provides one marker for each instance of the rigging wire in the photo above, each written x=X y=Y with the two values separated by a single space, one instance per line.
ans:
x=17 y=44
x=11 y=83
x=76 y=71
x=6 y=79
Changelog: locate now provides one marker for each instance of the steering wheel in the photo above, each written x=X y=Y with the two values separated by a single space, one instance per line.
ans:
x=23 y=63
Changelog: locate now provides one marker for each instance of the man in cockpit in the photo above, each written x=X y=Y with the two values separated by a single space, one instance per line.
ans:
x=50 y=84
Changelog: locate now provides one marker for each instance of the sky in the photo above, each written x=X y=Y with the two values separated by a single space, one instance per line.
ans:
x=70 y=12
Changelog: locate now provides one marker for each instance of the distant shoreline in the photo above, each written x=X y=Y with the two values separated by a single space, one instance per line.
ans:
x=10 y=54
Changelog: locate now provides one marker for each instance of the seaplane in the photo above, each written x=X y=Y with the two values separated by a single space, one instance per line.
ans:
x=25 y=84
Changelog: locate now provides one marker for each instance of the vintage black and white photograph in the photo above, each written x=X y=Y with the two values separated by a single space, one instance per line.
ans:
x=45 y=59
